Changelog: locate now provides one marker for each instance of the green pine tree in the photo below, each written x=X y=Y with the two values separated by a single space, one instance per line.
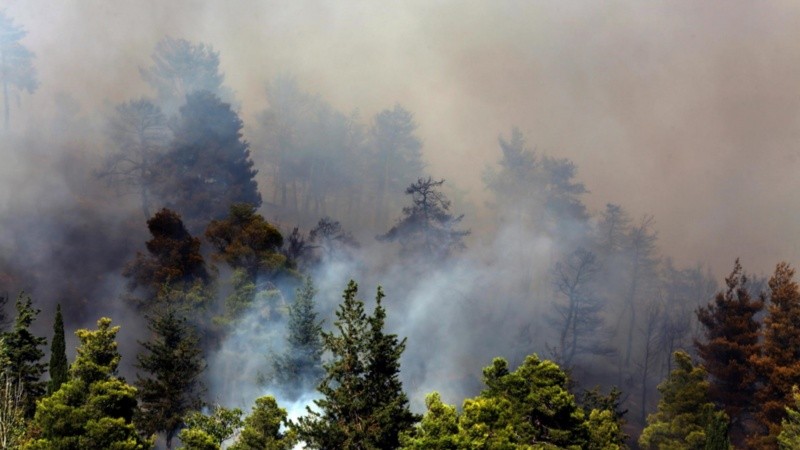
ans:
x=300 y=366
x=263 y=428
x=59 y=367
x=363 y=405
x=24 y=354
x=685 y=412
x=94 y=409
x=172 y=363
x=219 y=426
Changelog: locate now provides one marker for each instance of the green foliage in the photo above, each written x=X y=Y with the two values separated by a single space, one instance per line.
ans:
x=262 y=428
x=197 y=439
x=245 y=240
x=528 y=408
x=685 y=413
x=363 y=405
x=59 y=367
x=438 y=430
x=220 y=425
x=789 y=437
x=23 y=353
x=172 y=361
x=300 y=366
x=94 y=409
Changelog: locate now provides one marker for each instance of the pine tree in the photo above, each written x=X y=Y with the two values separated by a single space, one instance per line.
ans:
x=208 y=167
x=59 y=367
x=730 y=345
x=172 y=362
x=779 y=363
x=24 y=354
x=173 y=264
x=363 y=405
x=685 y=412
x=263 y=428
x=95 y=408
x=300 y=366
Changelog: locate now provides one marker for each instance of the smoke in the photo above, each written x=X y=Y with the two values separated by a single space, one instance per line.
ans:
x=684 y=110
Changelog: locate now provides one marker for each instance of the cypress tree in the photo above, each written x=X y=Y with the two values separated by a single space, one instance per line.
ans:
x=59 y=367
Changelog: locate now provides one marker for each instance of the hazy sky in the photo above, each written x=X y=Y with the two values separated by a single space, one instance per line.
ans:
x=686 y=110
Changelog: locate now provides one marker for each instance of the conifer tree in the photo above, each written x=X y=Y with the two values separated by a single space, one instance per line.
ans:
x=779 y=363
x=24 y=354
x=208 y=166
x=363 y=405
x=170 y=388
x=685 y=412
x=59 y=367
x=730 y=345
x=300 y=366
x=95 y=408
x=264 y=428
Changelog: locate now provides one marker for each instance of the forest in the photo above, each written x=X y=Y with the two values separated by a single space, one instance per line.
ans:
x=183 y=269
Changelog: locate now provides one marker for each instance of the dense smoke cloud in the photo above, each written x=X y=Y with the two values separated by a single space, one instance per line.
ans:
x=691 y=103
x=683 y=110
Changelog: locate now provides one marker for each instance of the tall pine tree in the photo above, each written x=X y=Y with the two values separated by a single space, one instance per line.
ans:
x=363 y=404
x=779 y=364
x=59 y=367
x=171 y=387
x=24 y=354
x=300 y=367
x=730 y=344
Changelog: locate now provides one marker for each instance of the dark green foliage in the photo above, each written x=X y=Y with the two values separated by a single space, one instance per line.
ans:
x=594 y=399
x=24 y=354
x=263 y=428
x=244 y=240
x=16 y=62
x=300 y=366
x=172 y=362
x=427 y=228
x=685 y=415
x=363 y=405
x=59 y=367
x=208 y=166
x=95 y=408
x=729 y=349
x=197 y=439
x=537 y=396
x=173 y=263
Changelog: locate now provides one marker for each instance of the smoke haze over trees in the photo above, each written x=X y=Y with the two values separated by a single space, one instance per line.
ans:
x=604 y=165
